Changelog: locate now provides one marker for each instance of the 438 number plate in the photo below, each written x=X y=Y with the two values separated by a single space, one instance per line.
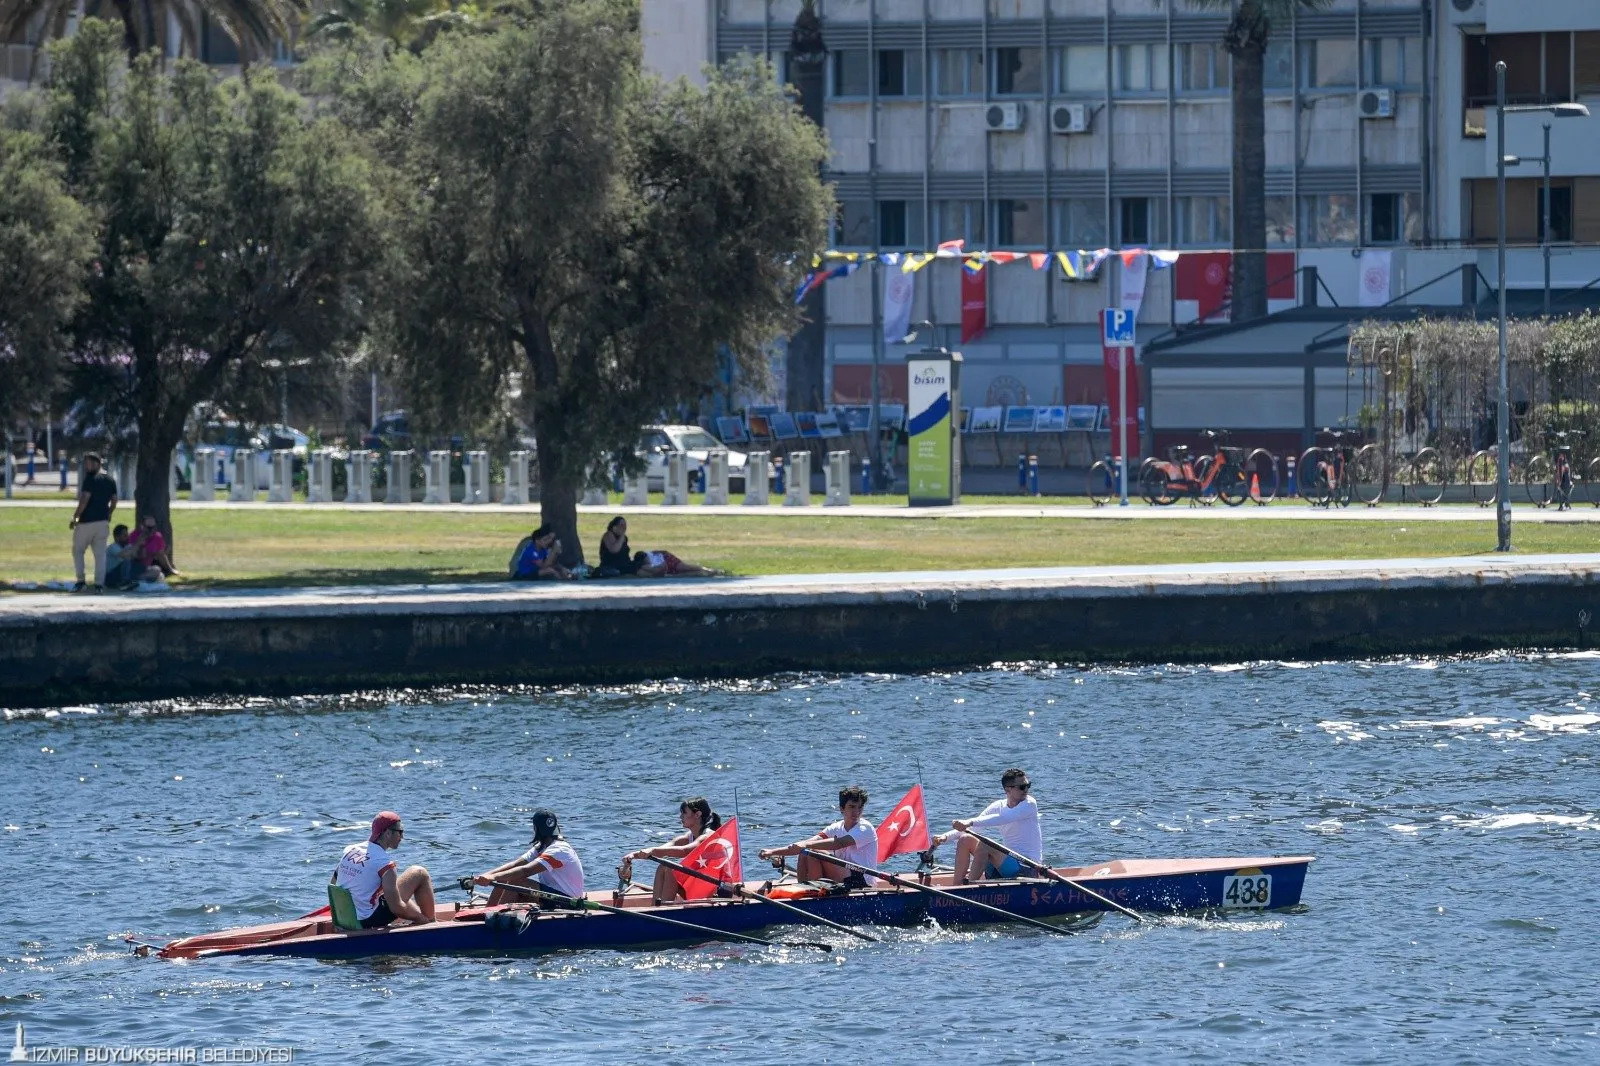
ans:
x=1248 y=890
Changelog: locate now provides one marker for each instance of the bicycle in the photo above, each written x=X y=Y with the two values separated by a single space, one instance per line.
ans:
x=1210 y=477
x=1546 y=481
x=1336 y=474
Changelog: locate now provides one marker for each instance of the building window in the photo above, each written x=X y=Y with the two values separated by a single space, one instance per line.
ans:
x=850 y=72
x=1328 y=219
x=1586 y=62
x=1280 y=222
x=1393 y=217
x=1525 y=209
x=1391 y=61
x=1079 y=68
x=1018 y=71
x=1560 y=212
x=900 y=224
x=1080 y=223
x=1019 y=224
x=1138 y=221
x=899 y=72
x=853 y=226
x=1277 y=70
x=1328 y=64
x=958 y=72
x=1139 y=68
x=959 y=220
x=1204 y=221
x=1202 y=67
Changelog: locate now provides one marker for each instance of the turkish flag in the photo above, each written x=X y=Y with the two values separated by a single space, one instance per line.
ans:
x=974 y=304
x=906 y=830
x=717 y=856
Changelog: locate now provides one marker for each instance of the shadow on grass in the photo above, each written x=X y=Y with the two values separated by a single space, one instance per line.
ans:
x=323 y=577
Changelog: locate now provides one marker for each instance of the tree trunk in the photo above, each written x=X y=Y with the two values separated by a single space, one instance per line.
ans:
x=130 y=29
x=808 y=348
x=558 y=489
x=558 y=507
x=1247 y=43
x=153 y=465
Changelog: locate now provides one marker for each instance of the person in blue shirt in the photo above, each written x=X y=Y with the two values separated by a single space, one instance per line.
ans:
x=536 y=556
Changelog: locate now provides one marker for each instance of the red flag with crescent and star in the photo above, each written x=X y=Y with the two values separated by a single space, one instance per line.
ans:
x=717 y=856
x=906 y=829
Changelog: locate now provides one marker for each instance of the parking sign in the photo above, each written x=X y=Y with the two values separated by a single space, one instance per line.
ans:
x=1118 y=323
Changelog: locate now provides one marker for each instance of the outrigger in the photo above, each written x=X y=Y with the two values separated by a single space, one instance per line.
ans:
x=1079 y=894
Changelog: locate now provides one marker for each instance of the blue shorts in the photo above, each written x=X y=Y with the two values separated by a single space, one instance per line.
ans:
x=1009 y=867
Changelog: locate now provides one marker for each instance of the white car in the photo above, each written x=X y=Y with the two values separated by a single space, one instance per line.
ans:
x=695 y=444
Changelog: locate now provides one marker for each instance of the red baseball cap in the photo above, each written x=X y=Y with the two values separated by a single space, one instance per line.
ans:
x=385 y=821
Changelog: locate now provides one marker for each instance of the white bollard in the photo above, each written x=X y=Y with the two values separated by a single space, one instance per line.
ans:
x=399 y=478
x=476 y=468
x=757 y=492
x=636 y=491
x=516 y=479
x=243 y=489
x=716 y=477
x=358 y=478
x=280 y=484
x=436 y=478
x=203 y=479
x=125 y=468
x=319 y=477
x=675 y=489
x=838 y=480
x=595 y=497
x=798 y=486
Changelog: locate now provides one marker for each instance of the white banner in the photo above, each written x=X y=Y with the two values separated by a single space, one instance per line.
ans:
x=1375 y=265
x=1134 y=269
x=899 y=291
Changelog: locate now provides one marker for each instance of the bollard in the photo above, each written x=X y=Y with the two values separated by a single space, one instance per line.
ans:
x=436 y=478
x=755 y=479
x=1293 y=488
x=1022 y=473
x=594 y=497
x=280 y=480
x=779 y=476
x=675 y=489
x=1033 y=475
x=319 y=477
x=516 y=479
x=203 y=480
x=1111 y=478
x=243 y=489
x=716 y=478
x=399 y=478
x=358 y=478
x=799 y=480
x=476 y=468
x=636 y=491
x=866 y=475
x=125 y=468
x=838 y=480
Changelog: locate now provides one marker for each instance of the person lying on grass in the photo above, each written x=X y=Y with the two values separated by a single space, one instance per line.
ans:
x=665 y=564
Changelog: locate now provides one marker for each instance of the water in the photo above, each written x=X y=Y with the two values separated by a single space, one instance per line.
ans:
x=1449 y=916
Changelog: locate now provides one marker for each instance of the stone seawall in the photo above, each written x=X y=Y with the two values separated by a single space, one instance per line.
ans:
x=56 y=650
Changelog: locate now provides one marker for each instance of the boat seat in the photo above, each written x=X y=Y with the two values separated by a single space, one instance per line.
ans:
x=342 y=905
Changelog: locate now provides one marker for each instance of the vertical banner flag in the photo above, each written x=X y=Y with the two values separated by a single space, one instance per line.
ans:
x=1375 y=264
x=717 y=856
x=899 y=290
x=1113 y=358
x=974 y=305
x=929 y=384
x=1134 y=270
x=906 y=830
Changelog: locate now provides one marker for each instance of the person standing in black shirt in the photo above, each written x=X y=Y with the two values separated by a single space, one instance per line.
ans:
x=91 y=522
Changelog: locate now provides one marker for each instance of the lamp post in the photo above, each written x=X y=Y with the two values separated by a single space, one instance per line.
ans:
x=1502 y=504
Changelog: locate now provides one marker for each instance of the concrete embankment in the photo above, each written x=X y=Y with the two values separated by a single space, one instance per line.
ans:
x=62 y=649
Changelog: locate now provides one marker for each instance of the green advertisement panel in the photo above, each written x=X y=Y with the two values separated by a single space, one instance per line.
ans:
x=932 y=400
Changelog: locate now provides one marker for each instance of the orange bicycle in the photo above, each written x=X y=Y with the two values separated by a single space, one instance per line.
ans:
x=1208 y=478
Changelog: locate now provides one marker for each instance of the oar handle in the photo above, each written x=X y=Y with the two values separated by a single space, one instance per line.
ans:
x=1053 y=875
x=744 y=893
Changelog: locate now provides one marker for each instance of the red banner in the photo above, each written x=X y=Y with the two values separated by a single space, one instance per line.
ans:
x=717 y=856
x=1207 y=279
x=1114 y=358
x=906 y=830
x=974 y=305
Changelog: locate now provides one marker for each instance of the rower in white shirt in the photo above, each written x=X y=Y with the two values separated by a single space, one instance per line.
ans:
x=1015 y=819
x=851 y=838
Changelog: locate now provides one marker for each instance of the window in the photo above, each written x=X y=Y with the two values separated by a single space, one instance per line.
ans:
x=900 y=224
x=1328 y=219
x=1139 y=68
x=1525 y=208
x=1278 y=67
x=1560 y=212
x=1080 y=68
x=1018 y=71
x=1204 y=221
x=1586 y=62
x=779 y=60
x=1328 y=64
x=1280 y=222
x=1019 y=223
x=853 y=228
x=959 y=220
x=850 y=72
x=1202 y=67
x=1138 y=221
x=1392 y=61
x=1080 y=223
x=899 y=72
x=1393 y=217
x=958 y=72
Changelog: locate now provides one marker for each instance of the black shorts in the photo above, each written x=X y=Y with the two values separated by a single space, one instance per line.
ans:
x=381 y=916
x=857 y=879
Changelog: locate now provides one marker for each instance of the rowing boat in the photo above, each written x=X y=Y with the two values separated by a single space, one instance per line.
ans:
x=1163 y=886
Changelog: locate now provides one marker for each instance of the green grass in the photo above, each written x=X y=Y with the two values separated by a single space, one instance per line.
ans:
x=263 y=548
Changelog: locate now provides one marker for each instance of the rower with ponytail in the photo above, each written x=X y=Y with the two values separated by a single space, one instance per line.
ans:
x=699 y=821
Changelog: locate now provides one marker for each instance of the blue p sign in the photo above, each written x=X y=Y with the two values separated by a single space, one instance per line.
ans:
x=1118 y=327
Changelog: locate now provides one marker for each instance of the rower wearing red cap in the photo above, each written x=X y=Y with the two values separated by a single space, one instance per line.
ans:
x=368 y=872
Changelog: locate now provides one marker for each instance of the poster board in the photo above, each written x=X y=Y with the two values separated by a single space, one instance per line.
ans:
x=1019 y=420
x=985 y=420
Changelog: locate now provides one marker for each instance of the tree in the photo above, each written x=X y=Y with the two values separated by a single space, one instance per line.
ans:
x=596 y=230
x=253 y=25
x=235 y=234
x=808 y=348
x=1246 y=41
x=45 y=246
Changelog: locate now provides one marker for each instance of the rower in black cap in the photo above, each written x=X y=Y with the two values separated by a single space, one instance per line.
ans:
x=549 y=862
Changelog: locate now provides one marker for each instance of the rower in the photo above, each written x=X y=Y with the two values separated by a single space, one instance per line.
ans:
x=367 y=872
x=1015 y=818
x=699 y=821
x=550 y=863
x=852 y=836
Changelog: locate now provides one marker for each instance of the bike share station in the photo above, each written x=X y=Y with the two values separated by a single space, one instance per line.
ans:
x=933 y=460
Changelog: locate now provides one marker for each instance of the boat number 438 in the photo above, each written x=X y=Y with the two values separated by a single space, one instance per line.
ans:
x=1248 y=890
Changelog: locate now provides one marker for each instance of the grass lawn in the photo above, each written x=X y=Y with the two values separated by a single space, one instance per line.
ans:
x=223 y=548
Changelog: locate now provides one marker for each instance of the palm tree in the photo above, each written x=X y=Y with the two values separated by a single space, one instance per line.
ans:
x=808 y=347
x=403 y=23
x=252 y=24
x=1246 y=41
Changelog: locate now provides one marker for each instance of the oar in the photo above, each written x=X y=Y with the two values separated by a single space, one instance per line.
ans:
x=744 y=893
x=1052 y=875
x=894 y=879
x=706 y=930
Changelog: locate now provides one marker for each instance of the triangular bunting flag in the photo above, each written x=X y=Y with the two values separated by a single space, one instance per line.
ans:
x=1038 y=259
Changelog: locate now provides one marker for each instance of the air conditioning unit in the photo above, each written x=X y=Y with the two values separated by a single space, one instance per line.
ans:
x=1069 y=118
x=1375 y=103
x=1466 y=11
x=1001 y=117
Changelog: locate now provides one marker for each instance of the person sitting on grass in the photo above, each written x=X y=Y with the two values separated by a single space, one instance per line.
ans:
x=665 y=564
x=535 y=558
x=151 y=547
x=123 y=568
x=616 y=559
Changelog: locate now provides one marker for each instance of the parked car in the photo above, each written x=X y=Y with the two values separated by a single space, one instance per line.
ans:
x=695 y=444
x=393 y=434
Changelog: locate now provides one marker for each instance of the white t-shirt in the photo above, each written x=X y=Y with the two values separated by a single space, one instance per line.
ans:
x=563 y=872
x=361 y=871
x=1016 y=827
x=864 y=852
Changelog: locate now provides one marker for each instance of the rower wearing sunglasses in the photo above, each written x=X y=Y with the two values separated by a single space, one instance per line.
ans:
x=367 y=872
x=1015 y=819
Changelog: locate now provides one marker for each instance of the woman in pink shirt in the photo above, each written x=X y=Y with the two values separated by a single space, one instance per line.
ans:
x=151 y=546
